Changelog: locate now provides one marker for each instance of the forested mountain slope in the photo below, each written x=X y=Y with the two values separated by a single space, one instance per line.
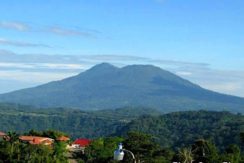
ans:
x=181 y=128
x=105 y=86
x=169 y=130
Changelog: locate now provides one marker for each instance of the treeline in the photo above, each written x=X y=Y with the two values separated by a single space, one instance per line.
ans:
x=182 y=128
x=101 y=150
x=173 y=130
x=75 y=122
x=146 y=150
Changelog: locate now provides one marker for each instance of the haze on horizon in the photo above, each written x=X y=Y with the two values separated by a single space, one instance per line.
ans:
x=201 y=41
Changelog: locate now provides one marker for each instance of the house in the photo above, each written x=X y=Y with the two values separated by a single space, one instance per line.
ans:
x=81 y=143
x=37 y=140
x=2 y=135
x=63 y=138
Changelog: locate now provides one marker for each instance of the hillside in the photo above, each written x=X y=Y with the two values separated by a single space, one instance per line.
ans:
x=170 y=130
x=181 y=128
x=76 y=123
x=105 y=86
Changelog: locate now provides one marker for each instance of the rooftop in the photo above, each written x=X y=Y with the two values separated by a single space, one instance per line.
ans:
x=2 y=134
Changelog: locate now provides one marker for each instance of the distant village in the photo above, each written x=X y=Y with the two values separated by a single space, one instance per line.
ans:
x=74 y=146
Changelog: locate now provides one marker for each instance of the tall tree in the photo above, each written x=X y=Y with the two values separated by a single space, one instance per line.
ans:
x=142 y=145
x=232 y=154
x=204 y=151
x=186 y=155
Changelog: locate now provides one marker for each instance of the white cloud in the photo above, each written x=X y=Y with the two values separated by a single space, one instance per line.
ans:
x=15 y=65
x=225 y=86
x=7 y=42
x=38 y=77
x=42 y=67
x=223 y=81
x=57 y=30
x=60 y=66
x=183 y=73
x=14 y=25
x=71 y=32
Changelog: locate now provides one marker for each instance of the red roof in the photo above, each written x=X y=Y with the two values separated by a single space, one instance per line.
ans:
x=82 y=142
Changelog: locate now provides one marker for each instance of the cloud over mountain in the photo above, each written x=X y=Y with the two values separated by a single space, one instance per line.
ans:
x=45 y=67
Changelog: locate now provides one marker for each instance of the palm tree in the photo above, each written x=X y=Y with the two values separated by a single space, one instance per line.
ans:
x=186 y=155
x=200 y=150
x=12 y=138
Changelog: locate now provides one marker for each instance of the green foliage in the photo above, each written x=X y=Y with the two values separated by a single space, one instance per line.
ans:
x=101 y=150
x=186 y=155
x=181 y=128
x=232 y=154
x=54 y=134
x=13 y=150
x=173 y=130
x=59 y=150
x=75 y=122
x=140 y=144
x=145 y=148
x=204 y=151
x=242 y=137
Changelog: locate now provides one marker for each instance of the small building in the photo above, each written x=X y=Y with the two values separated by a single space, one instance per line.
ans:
x=2 y=135
x=63 y=138
x=81 y=143
x=37 y=140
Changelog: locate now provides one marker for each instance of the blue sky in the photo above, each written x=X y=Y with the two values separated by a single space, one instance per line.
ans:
x=200 y=40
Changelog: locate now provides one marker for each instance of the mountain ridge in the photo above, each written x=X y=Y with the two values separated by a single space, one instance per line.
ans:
x=105 y=86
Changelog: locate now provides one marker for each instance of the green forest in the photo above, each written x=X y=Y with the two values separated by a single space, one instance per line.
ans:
x=171 y=130
x=147 y=150
x=101 y=150
x=150 y=134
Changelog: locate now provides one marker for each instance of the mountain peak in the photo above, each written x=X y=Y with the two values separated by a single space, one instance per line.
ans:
x=106 y=86
x=103 y=67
